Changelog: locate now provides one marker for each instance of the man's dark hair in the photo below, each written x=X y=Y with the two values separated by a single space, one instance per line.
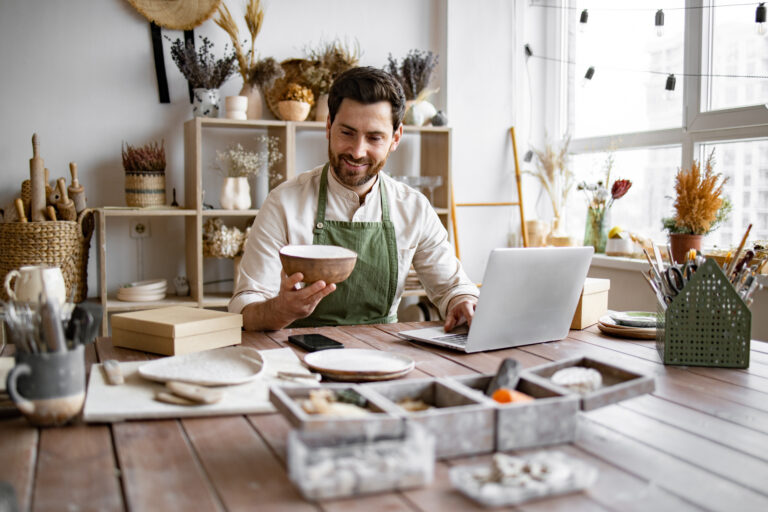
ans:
x=368 y=85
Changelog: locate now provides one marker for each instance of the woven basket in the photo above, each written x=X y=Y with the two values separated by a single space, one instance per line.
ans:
x=64 y=244
x=144 y=189
x=293 y=74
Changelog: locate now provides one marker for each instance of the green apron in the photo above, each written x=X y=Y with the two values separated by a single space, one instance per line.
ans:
x=366 y=296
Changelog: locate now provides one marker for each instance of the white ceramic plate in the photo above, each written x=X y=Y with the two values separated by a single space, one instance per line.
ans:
x=609 y=326
x=634 y=318
x=150 y=285
x=219 y=367
x=140 y=297
x=359 y=364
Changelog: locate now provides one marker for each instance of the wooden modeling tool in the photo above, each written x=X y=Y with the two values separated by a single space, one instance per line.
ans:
x=26 y=194
x=51 y=212
x=37 y=198
x=113 y=372
x=199 y=394
x=65 y=205
x=738 y=252
x=76 y=191
x=19 y=205
x=48 y=188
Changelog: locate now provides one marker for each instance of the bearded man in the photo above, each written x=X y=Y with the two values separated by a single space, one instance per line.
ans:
x=350 y=203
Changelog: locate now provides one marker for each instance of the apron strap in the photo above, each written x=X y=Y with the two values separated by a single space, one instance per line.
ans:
x=322 y=198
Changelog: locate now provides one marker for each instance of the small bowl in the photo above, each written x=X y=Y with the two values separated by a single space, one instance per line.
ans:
x=328 y=263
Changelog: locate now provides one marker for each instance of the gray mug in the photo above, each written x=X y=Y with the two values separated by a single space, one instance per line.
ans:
x=48 y=388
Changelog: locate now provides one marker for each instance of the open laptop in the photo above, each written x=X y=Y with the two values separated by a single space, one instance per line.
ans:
x=528 y=296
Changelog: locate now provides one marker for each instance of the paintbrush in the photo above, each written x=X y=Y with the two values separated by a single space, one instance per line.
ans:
x=738 y=251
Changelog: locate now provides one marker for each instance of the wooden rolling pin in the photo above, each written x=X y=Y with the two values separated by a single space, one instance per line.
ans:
x=65 y=205
x=37 y=198
x=76 y=191
x=19 y=204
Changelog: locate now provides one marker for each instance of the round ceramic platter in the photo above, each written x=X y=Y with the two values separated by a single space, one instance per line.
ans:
x=634 y=318
x=359 y=364
x=140 y=297
x=145 y=286
x=610 y=327
x=219 y=367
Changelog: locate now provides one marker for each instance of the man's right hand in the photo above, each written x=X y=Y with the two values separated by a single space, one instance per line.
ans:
x=297 y=303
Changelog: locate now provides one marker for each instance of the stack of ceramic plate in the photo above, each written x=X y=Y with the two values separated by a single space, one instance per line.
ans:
x=143 y=291
x=629 y=324
x=357 y=364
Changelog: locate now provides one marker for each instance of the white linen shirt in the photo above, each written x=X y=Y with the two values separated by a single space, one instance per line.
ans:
x=288 y=217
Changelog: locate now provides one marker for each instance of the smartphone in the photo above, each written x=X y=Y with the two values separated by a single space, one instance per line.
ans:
x=314 y=342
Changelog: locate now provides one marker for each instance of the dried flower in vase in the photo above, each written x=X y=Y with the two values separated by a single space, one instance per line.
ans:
x=414 y=72
x=699 y=206
x=265 y=72
x=297 y=92
x=599 y=197
x=553 y=174
x=149 y=158
x=327 y=62
x=200 y=67
x=237 y=162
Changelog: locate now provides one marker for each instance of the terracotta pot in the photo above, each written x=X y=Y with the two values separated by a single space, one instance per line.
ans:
x=680 y=245
x=293 y=110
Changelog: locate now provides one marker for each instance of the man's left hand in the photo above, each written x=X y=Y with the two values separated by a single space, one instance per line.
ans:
x=461 y=312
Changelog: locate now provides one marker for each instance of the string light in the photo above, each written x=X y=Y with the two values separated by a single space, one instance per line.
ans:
x=528 y=156
x=670 y=86
x=659 y=22
x=588 y=76
x=583 y=20
x=760 y=18
x=528 y=51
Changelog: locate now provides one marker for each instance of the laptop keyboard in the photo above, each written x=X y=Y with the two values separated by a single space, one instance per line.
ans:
x=458 y=339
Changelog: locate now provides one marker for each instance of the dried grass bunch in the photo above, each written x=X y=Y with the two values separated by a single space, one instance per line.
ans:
x=148 y=159
x=200 y=67
x=328 y=61
x=699 y=206
x=298 y=92
x=553 y=174
x=220 y=241
x=414 y=72
x=265 y=72
x=237 y=162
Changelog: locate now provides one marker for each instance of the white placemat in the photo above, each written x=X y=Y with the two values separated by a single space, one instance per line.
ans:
x=135 y=398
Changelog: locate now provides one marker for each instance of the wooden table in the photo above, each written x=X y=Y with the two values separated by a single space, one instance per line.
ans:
x=699 y=442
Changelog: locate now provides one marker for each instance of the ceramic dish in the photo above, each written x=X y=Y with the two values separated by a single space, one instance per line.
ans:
x=140 y=297
x=609 y=326
x=150 y=285
x=634 y=318
x=356 y=364
x=219 y=367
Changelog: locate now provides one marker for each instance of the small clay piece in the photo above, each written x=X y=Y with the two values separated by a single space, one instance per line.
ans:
x=113 y=372
x=65 y=205
x=324 y=402
x=506 y=376
x=578 y=378
x=19 y=206
x=76 y=191
x=170 y=398
x=200 y=394
x=51 y=211
x=414 y=405
x=439 y=119
x=506 y=396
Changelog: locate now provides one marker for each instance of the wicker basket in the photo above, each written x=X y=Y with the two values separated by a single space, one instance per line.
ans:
x=294 y=73
x=64 y=244
x=144 y=189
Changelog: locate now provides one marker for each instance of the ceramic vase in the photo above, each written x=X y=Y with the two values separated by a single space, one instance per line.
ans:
x=205 y=102
x=596 y=229
x=255 y=101
x=235 y=193
x=680 y=244
x=321 y=108
x=419 y=113
x=290 y=110
x=261 y=187
x=235 y=107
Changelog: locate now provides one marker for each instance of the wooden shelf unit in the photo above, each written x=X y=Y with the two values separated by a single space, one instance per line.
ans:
x=435 y=160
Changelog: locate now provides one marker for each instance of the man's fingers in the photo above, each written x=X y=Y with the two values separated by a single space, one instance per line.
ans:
x=290 y=282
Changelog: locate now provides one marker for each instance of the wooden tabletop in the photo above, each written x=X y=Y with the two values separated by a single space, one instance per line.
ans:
x=699 y=442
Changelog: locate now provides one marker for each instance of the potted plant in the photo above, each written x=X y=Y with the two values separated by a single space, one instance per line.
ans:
x=237 y=164
x=205 y=73
x=600 y=199
x=144 y=174
x=699 y=207
x=295 y=102
x=324 y=64
x=414 y=73
x=258 y=74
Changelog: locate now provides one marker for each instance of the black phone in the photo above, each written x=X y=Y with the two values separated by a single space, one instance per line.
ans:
x=314 y=342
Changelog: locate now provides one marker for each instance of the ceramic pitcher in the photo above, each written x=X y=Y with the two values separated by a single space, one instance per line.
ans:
x=34 y=280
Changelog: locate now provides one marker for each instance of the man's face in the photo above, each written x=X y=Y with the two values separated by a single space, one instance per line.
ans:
x=360 y=140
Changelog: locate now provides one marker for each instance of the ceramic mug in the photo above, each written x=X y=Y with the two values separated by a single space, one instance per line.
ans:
x=29 y=283
x=48 y=388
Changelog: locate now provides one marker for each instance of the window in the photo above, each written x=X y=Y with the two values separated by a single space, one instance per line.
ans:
x=625 y=109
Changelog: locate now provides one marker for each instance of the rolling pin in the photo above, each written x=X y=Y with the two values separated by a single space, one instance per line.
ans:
x=76 y=191
x=65 y=205
x=37 y=198
x=19 y=204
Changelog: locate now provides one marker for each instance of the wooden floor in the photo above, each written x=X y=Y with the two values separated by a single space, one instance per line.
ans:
x=699 y=442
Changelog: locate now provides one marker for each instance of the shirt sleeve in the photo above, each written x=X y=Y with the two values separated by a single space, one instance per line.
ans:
x=436 y=264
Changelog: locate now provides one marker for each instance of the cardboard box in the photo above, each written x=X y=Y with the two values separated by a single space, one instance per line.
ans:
x=593 y=303
x=176 y=330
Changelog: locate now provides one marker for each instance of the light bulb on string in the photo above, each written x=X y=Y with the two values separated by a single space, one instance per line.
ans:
x=760 y=19
x=588 y=76
x=583 y=21
x=659 y=22
x=669 y=88
x=528 y=156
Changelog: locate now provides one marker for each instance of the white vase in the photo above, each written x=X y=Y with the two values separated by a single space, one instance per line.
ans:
x=261 y=187
x=235 y=194
x=255 y=101
x=420 y=113
x=205 y=102
x=235 y=107
x=321 y=108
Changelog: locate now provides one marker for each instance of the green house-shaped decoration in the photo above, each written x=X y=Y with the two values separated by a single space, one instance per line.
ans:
x=707 y=324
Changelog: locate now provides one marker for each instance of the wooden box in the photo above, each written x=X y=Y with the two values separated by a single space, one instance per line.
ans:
x=176 y=330
x=549 y=419
x=618 y=383
x=593 y=303
x=381 y=422
x=461 y=423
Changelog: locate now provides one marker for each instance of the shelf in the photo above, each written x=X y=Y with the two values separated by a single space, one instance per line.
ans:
x=229 y=213
x=120 y=211
x=415 y=293
x=216 y=300
x=234 y=123
x=113 y=304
